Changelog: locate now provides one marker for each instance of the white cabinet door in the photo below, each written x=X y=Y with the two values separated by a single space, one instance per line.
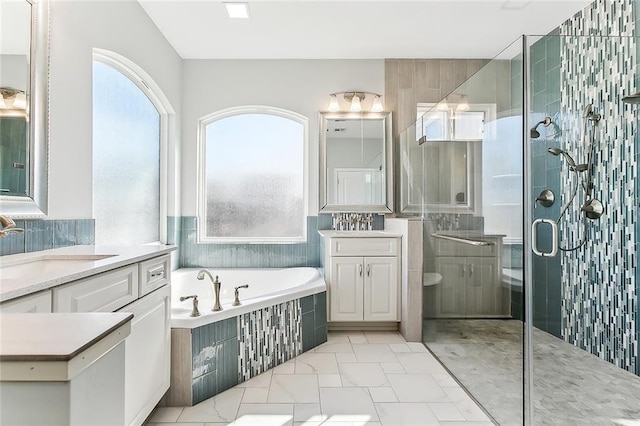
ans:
x=381 y=289
x=451 y=290
x=484 y=295
x=346 y=289
x=147 y=354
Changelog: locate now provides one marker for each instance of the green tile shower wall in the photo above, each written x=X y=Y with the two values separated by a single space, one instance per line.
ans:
x=48 y=234
x=191 y=254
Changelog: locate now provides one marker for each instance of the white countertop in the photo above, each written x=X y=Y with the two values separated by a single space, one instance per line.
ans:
x=358 y=234
x=25 y=273
x=57 y=347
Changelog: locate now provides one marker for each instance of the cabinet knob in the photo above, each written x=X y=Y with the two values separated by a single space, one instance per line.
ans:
x=368 y=270
x=360 y=268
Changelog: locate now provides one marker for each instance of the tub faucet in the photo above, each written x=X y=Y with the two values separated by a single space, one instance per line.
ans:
x=8 y=227
x=216 y=287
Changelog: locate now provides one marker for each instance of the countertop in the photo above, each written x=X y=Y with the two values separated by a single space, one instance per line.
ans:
x=54 y=337
x=468 y=234
x=21 y=279
x=358 y=234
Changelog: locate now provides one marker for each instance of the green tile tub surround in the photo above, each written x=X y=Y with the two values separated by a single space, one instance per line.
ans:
x=47 y=234
x=219 y=357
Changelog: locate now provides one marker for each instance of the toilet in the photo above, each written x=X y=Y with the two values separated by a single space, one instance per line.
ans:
x=429 y=281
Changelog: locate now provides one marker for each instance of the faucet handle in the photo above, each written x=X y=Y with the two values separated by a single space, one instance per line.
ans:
x=236 y=293
x=194 y=312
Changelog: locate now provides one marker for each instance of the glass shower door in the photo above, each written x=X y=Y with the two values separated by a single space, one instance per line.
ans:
x=581 y=180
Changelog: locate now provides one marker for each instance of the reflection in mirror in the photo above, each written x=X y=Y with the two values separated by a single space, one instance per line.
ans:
x=356 y=163
x=23 y=108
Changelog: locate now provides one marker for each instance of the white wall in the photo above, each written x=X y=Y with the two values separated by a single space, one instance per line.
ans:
x=76 y=28
x=302 y=86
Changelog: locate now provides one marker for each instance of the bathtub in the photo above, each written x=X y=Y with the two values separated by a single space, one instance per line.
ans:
x=267 y=287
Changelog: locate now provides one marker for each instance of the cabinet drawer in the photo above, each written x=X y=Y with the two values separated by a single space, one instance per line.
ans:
x=153 y=274
x=34 y=303
x=105 y=292
x=453 y=248
x=364 y=246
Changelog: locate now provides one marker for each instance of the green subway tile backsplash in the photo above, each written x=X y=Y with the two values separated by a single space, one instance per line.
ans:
x=47 y=234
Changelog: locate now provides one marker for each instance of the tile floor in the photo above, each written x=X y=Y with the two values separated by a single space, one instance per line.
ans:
x=356 y=378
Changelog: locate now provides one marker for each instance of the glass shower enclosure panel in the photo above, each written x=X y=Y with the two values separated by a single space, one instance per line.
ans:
x=462 y=172
x=582 y=208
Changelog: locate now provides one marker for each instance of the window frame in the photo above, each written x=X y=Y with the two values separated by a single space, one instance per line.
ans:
x=201 y=173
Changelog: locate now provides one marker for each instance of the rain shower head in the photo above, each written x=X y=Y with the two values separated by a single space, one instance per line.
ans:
x=558 y=151
x=632 y=99
x=534 y=130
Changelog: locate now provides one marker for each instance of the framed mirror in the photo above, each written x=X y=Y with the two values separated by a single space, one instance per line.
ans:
x=24 y=70
x=356 y=162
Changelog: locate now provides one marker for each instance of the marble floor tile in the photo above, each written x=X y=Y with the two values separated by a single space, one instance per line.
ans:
x=308 y=413
x=383 y=337
x=265 y=415
x=329 y=380
x=374 y=352
x=340 y=384
x=347 y=404
x=446 y=411
x=362 y=374
x=296 y=388
x=288 y=367
x=255 y=395
x=399 y=347
x=406 y=414
x=316 y=363
x=340 y=347
x=422 y=362
x=383 y=395
x=221 y=408
x=417 y=388
x=165 y=414
x=260 y=381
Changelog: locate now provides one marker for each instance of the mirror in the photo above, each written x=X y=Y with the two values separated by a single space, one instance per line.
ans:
x=356 y=162
x=24 y=60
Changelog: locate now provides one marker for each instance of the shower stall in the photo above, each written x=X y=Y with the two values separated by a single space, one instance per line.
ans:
x=526 y=179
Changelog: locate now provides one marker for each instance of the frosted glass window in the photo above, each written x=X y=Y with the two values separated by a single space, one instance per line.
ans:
x=254 y=178
x=126 y=160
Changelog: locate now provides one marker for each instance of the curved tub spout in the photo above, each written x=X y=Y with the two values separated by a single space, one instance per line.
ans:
x=216 y=287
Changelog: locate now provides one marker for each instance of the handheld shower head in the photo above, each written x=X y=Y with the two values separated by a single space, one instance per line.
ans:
x=557 y=151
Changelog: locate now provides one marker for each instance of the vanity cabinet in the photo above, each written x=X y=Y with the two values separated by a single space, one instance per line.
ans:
x=471 y=284
x=141 y=288
x=363 y=279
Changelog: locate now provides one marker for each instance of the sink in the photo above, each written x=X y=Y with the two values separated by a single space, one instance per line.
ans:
x=364 y=234
x=45 y=264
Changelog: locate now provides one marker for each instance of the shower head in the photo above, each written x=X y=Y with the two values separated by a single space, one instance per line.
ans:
x=632 y=99
x=558 y=151
x=534 y=130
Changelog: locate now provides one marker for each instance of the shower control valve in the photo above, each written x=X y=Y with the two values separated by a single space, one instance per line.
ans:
x=546 y=198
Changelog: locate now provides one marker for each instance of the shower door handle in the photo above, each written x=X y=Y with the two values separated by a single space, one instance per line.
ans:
x=554 y=238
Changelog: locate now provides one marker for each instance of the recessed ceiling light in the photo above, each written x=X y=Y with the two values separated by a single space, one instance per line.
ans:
x=237 y=10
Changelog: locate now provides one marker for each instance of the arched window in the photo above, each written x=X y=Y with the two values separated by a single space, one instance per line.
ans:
x=252 y=177
x=127 y=155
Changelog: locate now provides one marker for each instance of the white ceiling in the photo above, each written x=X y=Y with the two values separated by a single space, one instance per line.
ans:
x=354 y=29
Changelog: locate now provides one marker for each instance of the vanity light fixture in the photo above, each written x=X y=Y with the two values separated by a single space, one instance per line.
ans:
x=443 y=106
x=13 y=99
x=237 y=10
x=355 y=101
x=463 y=105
